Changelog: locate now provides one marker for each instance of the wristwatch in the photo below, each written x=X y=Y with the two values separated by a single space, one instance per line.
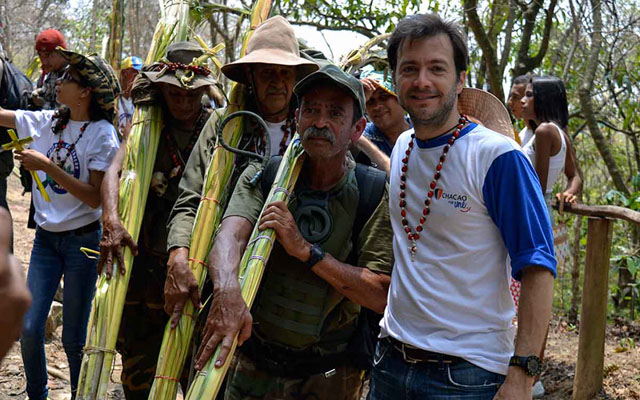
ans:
x=316 y=254
x=532 y=365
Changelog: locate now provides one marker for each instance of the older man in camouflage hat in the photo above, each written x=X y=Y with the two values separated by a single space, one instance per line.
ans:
x=331 y=258
x=143 y=318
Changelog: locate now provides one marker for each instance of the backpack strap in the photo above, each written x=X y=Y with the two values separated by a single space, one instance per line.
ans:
x=371 y=183
x=269 y=175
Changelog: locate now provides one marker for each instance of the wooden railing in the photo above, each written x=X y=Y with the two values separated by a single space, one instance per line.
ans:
x=590 y=367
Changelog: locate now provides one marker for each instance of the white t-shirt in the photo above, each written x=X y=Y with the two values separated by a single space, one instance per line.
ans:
x=276 y=134
x=94 y=151
x=454 y=298
x=525 y=135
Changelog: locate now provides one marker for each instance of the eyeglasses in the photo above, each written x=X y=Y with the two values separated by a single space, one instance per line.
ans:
x=68 y=77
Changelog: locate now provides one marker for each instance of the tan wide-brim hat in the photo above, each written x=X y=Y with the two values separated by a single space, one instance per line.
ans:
x=485 y=108
x=273 y=42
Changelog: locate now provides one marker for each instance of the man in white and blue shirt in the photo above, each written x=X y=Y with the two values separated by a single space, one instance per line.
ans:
x=462 y=199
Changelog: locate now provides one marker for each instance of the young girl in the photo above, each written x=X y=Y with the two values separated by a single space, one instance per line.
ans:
x=71 y=149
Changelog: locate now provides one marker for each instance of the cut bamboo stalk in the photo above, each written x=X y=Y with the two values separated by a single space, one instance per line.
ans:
x=176 y=342
x=140 y=154
x=209 y=379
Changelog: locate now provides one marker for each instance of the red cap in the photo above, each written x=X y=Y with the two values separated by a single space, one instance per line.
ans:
x=49 y=39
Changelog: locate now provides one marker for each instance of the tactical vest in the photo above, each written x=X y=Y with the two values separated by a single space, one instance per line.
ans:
x=296 y=308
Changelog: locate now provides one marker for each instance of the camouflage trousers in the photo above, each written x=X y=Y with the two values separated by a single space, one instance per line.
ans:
x=142 y=325
x=246 y=382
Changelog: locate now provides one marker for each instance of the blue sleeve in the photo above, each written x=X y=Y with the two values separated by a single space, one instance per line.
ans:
x=514 y=200
x=369 y=130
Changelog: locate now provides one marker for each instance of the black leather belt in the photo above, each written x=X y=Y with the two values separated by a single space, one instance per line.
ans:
x=413 y=355
x=94 y=226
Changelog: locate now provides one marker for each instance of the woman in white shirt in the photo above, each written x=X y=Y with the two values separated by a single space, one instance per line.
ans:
x=71 y=149
x=544 y=107
x=545 y=111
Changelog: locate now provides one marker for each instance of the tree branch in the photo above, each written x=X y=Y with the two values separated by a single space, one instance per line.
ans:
x=488 y=49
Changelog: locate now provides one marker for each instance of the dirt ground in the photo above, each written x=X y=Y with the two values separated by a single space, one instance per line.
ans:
x=622 y=348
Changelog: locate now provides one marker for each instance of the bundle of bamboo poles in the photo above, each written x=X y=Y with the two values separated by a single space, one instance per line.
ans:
x=175 y=343
x=252 y=265
x=142 y=146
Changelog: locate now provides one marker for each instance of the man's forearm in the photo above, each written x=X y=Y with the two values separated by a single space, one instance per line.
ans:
x=227 y=251
x=359 y=285
x=110 y=185
x=375 y=154
x=534 y=310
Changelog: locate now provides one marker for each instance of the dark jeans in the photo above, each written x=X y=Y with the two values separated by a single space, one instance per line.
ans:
x=3 y=193
x=394 y=378
x=55 y=255
x=3 y=203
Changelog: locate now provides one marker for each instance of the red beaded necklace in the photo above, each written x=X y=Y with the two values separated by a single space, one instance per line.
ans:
x=178 y=157
x=414 y=236
x=60 y=162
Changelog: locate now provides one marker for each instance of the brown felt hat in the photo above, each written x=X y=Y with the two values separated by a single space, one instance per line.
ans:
x=273 y=42
x=484 y=108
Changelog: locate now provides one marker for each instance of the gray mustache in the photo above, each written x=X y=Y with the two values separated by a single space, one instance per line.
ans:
x=322 y=133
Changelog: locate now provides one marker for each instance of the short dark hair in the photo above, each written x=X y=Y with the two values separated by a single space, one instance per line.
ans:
x=522 y=79
x=550 y=100
x=420 y=26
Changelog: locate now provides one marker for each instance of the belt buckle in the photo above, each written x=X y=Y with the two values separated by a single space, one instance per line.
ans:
x=330 y=373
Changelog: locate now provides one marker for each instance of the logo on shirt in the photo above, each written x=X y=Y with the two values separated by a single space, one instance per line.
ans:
x=456 y=200
x=71 y=164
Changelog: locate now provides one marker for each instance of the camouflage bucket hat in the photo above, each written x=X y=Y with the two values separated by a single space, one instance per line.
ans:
x=178 y=68
x=97 y=74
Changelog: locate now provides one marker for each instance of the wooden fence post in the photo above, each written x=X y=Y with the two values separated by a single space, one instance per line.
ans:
x=589 y=370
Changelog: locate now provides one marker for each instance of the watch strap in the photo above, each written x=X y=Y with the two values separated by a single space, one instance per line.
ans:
x=316 y=254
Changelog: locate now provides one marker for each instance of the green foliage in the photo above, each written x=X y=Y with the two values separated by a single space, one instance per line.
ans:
x=370 y=18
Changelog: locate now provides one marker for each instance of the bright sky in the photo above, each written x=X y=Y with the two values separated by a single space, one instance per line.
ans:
x=341 y=42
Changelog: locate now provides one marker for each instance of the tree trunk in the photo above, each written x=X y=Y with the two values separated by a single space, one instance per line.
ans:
x=586 y=102
x=525 y=63
x=133 y=34
x=94 y=25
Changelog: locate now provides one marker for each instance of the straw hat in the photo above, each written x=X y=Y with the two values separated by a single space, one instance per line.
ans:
x=485 y=108
x=273 y=42
x=185 y=75
x=97 y=74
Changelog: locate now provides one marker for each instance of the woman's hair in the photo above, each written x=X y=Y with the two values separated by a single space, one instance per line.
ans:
x=550 y=100
x=63 y=114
